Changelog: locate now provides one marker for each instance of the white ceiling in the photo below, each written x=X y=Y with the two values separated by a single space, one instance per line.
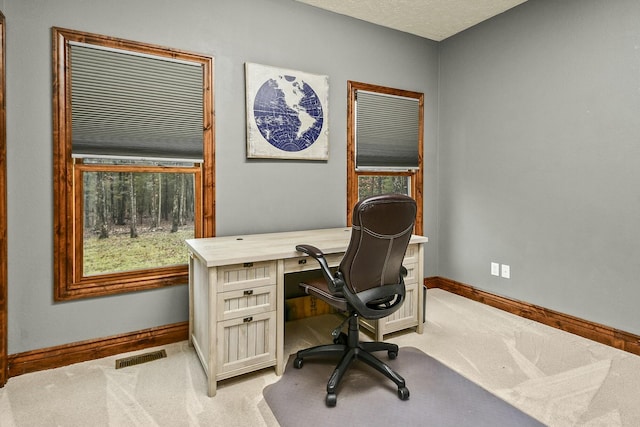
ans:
x=431 y=19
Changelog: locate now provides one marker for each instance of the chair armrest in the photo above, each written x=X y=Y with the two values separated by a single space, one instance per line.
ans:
x=377 y=302
x=318 y=255
x=310 y=250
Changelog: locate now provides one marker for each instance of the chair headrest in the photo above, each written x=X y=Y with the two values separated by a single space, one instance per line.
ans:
x=386 y=214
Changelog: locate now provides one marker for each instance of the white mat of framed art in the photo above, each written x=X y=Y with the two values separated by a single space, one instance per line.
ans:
x=287 y=113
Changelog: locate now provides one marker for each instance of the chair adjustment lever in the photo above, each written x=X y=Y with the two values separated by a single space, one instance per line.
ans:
x=336 y=332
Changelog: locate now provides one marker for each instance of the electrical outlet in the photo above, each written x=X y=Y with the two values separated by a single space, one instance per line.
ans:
x=495 y=269
x=506 y=271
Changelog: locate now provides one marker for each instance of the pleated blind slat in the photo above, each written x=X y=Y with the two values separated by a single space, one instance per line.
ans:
x=135 y=106
x=386 y=131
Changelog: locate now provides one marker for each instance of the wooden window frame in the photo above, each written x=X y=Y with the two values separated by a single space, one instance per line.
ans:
x=4 y=340
x=69 y=282
x=353 y=174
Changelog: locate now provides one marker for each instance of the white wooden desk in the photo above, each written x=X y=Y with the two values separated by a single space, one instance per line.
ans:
x=236 y=296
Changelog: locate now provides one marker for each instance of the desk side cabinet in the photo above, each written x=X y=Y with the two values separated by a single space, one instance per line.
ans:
x=410 y=313
x=236 y=334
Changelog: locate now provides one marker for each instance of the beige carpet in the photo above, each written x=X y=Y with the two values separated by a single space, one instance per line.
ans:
x=558 y=378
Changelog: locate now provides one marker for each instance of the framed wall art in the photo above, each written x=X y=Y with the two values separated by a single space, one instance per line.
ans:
x=287 y=113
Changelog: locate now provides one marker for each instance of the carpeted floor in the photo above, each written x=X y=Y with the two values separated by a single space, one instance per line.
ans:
x=560 y=379
x=439 y=396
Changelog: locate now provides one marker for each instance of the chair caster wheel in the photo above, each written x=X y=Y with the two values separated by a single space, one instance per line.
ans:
x=297 y=363
x=392 y=354
x=332 y=399
x=403 y=393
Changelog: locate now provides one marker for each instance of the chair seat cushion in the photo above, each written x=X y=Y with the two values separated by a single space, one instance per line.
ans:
x=319 y=288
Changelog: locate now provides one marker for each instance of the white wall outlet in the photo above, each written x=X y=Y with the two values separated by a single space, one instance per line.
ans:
x=506 y=271
x=495 y=269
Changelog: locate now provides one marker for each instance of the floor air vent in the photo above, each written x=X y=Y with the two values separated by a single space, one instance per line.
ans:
x=140 y=358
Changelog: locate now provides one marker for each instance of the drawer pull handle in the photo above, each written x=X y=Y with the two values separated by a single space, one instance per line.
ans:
x=248 y=264
x=247 y=319
x=302 y=261
x=249 y=292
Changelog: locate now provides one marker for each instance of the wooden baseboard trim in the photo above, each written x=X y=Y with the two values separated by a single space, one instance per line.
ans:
x=68 y=354
x=584 y=328
x=55 y=357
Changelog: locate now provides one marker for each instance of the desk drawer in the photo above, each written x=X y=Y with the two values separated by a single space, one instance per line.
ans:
x=246 y=276
x=246 y=344
x=412 y=271
x=411 y=256
x=407 y=315
x=246 y=302
x=304 y=263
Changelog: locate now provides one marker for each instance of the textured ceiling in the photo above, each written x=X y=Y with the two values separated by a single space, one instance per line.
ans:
x=432 y=19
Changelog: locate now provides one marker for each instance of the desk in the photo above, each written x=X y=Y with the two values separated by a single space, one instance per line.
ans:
x=236 y=296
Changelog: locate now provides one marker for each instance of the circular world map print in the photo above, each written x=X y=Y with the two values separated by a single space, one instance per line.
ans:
x=288 y=113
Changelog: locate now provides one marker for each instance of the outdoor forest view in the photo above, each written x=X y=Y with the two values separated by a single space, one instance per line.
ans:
x=369 y=185
x=136 y=220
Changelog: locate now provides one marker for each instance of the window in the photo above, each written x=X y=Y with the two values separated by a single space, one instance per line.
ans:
x=384 y=144
x=133 y=163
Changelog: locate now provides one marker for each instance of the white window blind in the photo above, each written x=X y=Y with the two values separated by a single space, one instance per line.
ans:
x=134 y=105
x=386 y=133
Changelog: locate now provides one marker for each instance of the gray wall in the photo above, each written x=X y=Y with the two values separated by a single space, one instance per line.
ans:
x=539 y=157
x=251 y=196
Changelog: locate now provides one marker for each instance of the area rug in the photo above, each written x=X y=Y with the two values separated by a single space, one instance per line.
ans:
x=438 y=396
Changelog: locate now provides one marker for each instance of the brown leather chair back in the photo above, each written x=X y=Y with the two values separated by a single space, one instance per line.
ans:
x=382 y=227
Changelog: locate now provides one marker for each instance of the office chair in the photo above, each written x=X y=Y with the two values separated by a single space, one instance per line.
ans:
x=369 y=282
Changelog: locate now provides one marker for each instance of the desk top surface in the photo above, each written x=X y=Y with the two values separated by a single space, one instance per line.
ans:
x=217 y=251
